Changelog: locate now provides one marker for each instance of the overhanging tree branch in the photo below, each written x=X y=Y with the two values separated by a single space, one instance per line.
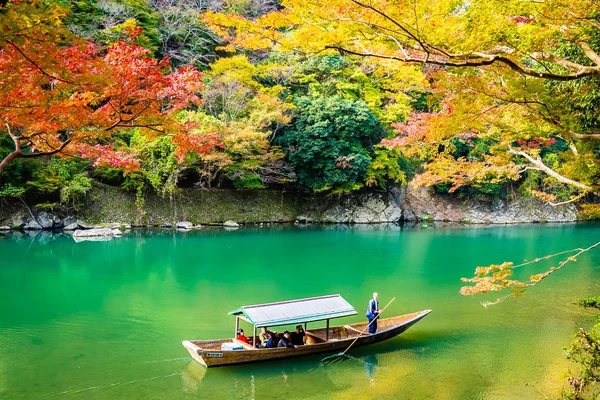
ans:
x=475 y=60
x=428 y=53
x=543 y=167
x=18 y=152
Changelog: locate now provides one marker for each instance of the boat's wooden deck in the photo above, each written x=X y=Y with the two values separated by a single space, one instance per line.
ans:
x=317 y=336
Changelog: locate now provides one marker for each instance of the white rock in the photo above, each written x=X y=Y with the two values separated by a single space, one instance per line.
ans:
x=184 y=225
x=93 y=239
x=83 y=225
x=101 y=232
x=231 y=224
x=4 y=228
x=117 y=232
x=32 y=225
x=17 y=222
x=303 y=219
x=71 y=227
x=45 y=220
x=70 y=220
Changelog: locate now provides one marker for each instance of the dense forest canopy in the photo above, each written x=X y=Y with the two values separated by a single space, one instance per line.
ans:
x=480 y=99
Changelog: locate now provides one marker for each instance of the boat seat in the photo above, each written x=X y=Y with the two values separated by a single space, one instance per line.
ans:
x=351 y=328
x=314 y=338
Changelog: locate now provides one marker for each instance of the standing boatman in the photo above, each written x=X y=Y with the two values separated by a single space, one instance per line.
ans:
x=373 y=312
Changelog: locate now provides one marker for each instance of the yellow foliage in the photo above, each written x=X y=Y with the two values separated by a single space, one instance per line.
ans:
x=590 y=211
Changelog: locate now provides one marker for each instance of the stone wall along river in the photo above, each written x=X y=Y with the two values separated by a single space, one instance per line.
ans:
x=108 y=204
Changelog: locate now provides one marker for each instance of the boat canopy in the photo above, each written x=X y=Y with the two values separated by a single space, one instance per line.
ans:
x=296 y=311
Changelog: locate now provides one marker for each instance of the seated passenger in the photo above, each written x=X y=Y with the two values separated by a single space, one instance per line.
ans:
x=299 y=336
x=285 y=340
x=266 y=341
x=241 y=337
x=276 y=336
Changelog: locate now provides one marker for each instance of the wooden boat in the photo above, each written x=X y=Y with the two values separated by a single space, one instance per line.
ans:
x=322 y=340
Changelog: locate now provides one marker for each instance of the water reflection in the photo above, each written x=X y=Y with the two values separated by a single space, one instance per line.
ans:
x=370 y=366
x=292 y=378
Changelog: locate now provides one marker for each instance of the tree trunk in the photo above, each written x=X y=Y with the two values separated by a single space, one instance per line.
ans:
x=8 y=159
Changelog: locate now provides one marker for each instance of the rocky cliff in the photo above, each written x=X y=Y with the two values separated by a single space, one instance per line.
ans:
x=198 y=206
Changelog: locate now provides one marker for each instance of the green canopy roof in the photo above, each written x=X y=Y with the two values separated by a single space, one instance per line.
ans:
x=296 y=311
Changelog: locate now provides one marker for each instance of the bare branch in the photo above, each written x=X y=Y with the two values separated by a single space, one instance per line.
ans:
x=591 y=54
x=543 y=167
x=36 y=65
x=47 y=153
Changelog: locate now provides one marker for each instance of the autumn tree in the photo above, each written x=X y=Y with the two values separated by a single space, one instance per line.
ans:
x=515 y=75
x=246 y=115
x=63 y=95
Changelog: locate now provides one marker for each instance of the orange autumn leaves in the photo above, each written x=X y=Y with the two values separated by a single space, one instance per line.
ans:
x=59 y=92
x=497 y=277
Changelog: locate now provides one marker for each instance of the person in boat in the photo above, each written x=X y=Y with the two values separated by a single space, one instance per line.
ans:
x=285 y=340
x=298 y=336
x=241 y=337
x=266 y=340
x=373 y=313
x=276 y=337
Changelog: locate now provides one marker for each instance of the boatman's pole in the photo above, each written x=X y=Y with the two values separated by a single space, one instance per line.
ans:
x=367 y=327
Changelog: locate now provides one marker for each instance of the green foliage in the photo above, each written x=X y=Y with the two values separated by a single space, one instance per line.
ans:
x=9 y=190
x=375 y=85
x=158 y=164
x=330 y=143
x=476 y=190
x=109 y=175
x=590 y=302
x=47 y=206
x=474 y=149
x=62 y=179
x=590 y=211
x=74 y=189
x=584 y=352
x=385 y=167
x=580 y=98
x=107 y=21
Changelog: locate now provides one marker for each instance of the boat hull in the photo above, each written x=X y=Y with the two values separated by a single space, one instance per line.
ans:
x=209 y=354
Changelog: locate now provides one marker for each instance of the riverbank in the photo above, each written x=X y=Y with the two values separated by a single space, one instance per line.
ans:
x=192 y=208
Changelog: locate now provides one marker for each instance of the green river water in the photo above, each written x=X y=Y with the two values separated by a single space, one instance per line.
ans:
x=105 y=320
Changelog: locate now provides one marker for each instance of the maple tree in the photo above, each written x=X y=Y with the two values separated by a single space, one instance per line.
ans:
x=63 y=95
x=499 y=277
x=245 y=116
x=505 y=73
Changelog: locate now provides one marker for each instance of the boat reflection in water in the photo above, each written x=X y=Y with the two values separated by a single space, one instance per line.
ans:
x=297 y=379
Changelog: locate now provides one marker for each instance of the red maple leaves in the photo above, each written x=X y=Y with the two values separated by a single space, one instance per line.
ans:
x=59 y=93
